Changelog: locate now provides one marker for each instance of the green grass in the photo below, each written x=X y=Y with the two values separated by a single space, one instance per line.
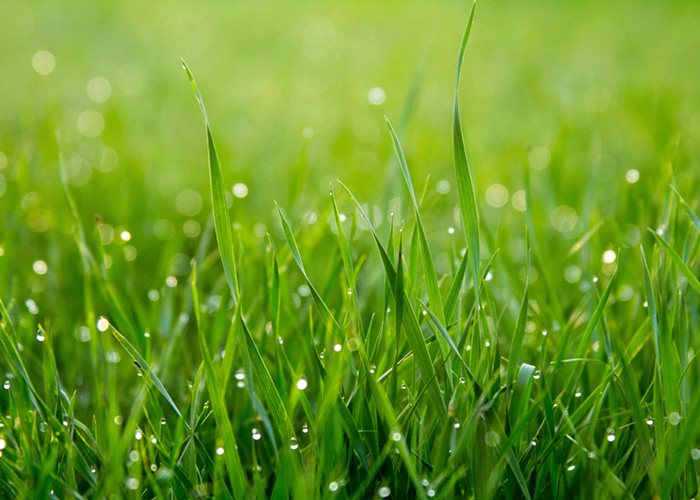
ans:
x=530 y=333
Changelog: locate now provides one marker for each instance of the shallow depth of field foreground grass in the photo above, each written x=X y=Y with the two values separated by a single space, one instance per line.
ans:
x=407 y=337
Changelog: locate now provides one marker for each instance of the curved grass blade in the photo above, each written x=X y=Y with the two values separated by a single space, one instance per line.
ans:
x=233 y=460
x=431 y=280
x=222 y=223
x=268 y=389
x=692 y=279
x=455 y=287
x=687 y=208
x=519 y=334
x=651 y=305
x=144 y=367
x=465 y=184
x=320 y=304
x=410 y=323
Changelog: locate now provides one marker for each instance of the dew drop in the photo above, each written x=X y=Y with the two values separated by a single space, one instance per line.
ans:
x=162 y=421
x=384 y=492
x=256 y=434
x=492 y=439
x=102 y=324
x=611 y=435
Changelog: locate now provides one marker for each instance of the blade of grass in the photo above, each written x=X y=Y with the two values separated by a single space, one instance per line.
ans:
x=682 y=266
x=427 y=258
x=410 y=323
x=222 y=223
x=465 y=184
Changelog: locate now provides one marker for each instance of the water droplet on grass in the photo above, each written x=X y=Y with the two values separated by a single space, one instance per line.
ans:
x=102 y=324
x=674 y=418
x=492 y=439
x=611 y=435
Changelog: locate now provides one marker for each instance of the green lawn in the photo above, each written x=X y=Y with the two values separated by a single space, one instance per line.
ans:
x=344 y=349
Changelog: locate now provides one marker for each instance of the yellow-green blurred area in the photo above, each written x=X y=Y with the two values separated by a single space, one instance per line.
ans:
x=594 y=96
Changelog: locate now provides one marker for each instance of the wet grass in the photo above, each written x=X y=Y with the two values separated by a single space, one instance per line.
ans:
x=408 y=341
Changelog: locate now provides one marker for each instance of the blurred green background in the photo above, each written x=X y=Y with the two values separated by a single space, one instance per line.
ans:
x=296 y=94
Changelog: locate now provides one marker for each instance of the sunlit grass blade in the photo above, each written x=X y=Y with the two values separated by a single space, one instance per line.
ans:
x=144 y=367
x=233 y=460
x=687 y=209
x=318 y=300
x=269 y=391
x=222 y=222
x=410 y=323
x=456 y=287
x=519 y=334
x=465 y=183
x=431 y=280
x=682 y=266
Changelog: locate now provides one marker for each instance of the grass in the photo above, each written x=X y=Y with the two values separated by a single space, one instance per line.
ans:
x=351 y=345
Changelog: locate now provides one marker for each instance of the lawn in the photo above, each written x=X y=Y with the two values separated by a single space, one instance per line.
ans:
x=312 y=278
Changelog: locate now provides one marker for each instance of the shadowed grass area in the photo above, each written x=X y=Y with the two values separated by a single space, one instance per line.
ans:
x=494 y=297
